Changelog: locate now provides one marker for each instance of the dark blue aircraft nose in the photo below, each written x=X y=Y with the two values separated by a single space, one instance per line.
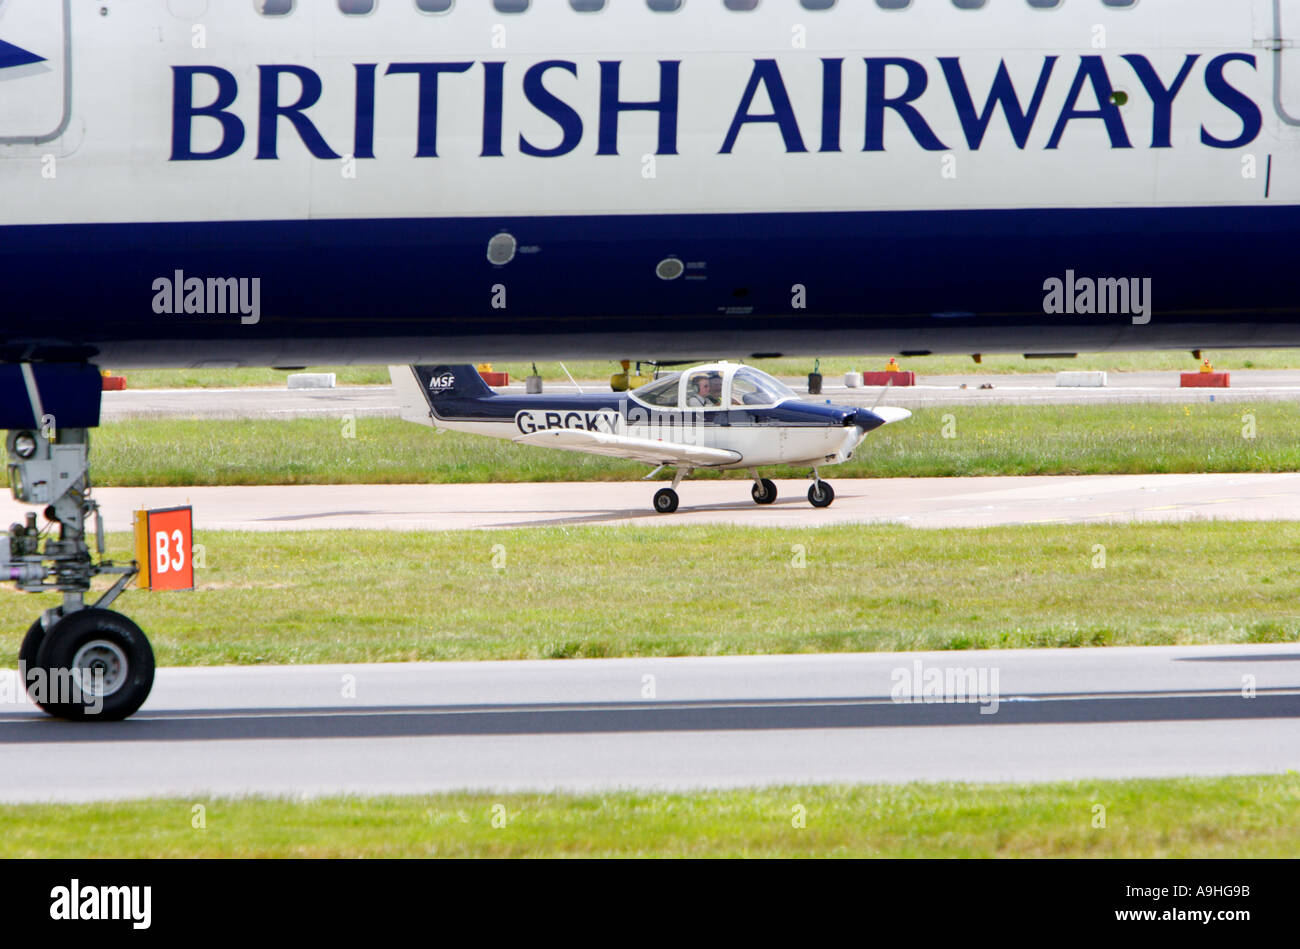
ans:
x=865 y=419
x=868 y=419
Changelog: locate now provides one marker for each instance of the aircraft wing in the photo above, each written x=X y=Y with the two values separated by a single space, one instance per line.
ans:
x=637 y=449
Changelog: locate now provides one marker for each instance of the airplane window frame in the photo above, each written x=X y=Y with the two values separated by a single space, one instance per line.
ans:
x=671 y=382
x=773 y=389
x=720 y=405
x=743 y=380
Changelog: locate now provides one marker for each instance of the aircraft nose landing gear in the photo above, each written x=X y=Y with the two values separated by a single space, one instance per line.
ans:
x=821 y=494
x=77 y=662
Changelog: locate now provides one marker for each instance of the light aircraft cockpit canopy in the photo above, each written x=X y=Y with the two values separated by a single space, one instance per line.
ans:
x=714 y=386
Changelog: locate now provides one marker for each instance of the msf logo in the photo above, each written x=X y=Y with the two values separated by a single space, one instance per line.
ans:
x=442 y=382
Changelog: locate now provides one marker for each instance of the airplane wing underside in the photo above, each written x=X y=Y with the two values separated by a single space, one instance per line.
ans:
x=637 y=449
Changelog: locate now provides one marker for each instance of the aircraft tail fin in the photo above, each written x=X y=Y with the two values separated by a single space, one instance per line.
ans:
x=422 y=390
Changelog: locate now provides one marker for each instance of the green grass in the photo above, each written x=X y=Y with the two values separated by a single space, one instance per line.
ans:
x=232 y=378
x=793 y=366
x=1204 y=817
x=380 y=596
x=987 y=440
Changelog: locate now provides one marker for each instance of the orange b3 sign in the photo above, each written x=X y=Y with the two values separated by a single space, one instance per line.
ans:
x=164 y=542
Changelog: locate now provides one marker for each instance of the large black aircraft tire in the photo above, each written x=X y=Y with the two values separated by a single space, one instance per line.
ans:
x=95 y=639
x=31 y=646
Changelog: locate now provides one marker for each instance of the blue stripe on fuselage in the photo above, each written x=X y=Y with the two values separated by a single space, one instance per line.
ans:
x=372 y=290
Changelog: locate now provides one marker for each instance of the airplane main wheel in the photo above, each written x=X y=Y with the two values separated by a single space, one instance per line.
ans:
x=768 y=493
x=98 y=664
x=28 y=664
x=31 y=646
x=665 y=500
x=821 y=494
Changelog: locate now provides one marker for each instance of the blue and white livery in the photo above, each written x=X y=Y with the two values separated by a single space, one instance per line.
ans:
x=714 y=415
x=292 y=182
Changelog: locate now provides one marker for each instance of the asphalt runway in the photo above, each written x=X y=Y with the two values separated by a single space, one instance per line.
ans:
x=916 y=502
x=580 y=725
x=1035 y=388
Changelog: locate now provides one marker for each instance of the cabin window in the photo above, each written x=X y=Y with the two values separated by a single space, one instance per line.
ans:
x=664 y=6
x=1119 y=4
x=273 y=7
x=816 y=4
x=968 y=4
x=1044 y=4
x=704 y=389
x=662 y=393
x=587 y=6
x=433 y=6
x=357 y=7
x=740 y=4
x=510 y=6
x=750 y=387
x=893 y=4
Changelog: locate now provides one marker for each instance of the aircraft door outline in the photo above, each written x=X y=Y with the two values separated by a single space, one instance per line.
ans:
x=1286 y=58
x=35 y=70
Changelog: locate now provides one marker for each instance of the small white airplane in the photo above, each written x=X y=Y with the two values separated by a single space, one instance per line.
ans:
x=713 y=415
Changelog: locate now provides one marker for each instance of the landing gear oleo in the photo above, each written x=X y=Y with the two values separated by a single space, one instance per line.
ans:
x=79 y=660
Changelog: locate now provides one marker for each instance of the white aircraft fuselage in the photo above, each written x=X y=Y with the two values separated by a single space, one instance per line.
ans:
x=189 y=182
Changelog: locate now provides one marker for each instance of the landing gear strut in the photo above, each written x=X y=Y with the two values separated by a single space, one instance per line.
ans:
x=666 y=499
x=764 y=489
x=77 y=661
x=821 y=494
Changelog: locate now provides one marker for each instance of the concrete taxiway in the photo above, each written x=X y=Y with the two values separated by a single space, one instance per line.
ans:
x=1026 y=715
x=917 y=502
x=378 y=401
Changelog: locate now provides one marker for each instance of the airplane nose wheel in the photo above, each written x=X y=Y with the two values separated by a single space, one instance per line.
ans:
x=821 y=494
x=666 y=500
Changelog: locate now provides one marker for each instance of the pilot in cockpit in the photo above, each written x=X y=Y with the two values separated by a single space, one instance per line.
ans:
x=706 y=392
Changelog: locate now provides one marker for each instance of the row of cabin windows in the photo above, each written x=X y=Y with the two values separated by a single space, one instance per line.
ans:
x=364 y=7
